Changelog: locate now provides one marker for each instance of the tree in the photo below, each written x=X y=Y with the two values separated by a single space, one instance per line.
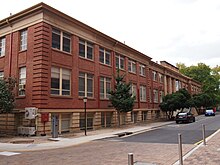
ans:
x=178 y=100
x=209 y=77
x=6 y=95
x=121 y=97
x=202 y=100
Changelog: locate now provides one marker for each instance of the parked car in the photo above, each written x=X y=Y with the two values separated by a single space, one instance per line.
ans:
x=209 y=112
x=185 y=117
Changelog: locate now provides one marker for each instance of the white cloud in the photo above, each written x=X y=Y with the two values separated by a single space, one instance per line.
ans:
x=172 y=30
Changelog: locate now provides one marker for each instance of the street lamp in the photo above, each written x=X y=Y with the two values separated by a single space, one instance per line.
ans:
x=85 y=100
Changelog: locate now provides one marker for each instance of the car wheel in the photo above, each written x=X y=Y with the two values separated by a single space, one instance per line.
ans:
x=177 y=122
x=194 y=119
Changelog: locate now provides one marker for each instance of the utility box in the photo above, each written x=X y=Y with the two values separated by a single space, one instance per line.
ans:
x=55 y=126
x=30 y=112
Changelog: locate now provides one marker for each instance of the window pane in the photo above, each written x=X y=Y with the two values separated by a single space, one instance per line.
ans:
x=108 y=58
x=81 y=86
x=101 y=88
x=55 y=83
x=66 y=44
x=117 y=62
x=101 y=55
x=56 y=40
x=82 y=48
x=23 y=40
x=121 y=63
x=2 y=46
x=89 y=52
x=90 y=87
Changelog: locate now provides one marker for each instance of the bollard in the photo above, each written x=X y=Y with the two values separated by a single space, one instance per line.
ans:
x=180 y=149
x=130 y=159
x=203 y=134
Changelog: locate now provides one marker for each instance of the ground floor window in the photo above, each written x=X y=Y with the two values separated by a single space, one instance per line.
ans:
x=134 y=117
x=144 y=115
x=65 y=122
x=90 y=118
x=106 y=119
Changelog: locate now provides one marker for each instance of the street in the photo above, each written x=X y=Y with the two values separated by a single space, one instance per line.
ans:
x=158 y=146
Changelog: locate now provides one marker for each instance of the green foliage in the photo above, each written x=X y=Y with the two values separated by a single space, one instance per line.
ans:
x=121 y=97
x=202 y=99
x=6 y=95
x=178 y=100
x=209 y=77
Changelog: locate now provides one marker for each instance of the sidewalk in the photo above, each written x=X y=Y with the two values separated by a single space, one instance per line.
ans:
x=78 y=138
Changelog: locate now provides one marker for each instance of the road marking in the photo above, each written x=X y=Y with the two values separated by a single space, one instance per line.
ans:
x=5 y=153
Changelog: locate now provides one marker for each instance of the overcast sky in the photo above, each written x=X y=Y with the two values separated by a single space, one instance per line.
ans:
x=186 y=31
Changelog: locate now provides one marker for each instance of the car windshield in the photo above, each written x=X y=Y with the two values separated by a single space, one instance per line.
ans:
x=209 y=111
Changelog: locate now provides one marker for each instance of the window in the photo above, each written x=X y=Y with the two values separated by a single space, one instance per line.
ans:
x=155 y=96
x=177 y=85
x=60 y=81
x=144 y=115
x=154 y=75
x=160 y=78
x=85 y=84
x=85 y=49
x=150 y=95
x=104 y=56
x=132 y=66
x=120 y=62
x=161 y=96
x=1 y=75
x=2 y=47
x=133 y=90
x=23 y=40
x=142 y=93
x=22 y=81
x=142 y=70
x=61 y=40
x=105 y=87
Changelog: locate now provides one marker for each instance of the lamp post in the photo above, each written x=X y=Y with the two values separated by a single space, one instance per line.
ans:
x=85 y=100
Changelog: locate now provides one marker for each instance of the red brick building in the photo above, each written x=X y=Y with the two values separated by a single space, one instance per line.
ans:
x=57 y=60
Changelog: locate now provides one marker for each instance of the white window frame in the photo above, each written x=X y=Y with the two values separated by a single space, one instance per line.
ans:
x=132 y=67
x=142 y=69
x=105 y=81
x=62 y=35
x=2 y=46
x=86 y=77
x=1 y=75
x=133 y=90
x=161 y=78
x=61 y=73
x=155 y=91
x=86 y=44
x=23 y=40
x=22 y=81
x=121 y=61
x=154 y=75
x=143 y=93
x=105 y=53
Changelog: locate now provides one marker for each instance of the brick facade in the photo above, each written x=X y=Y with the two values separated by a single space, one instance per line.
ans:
x=40 y=57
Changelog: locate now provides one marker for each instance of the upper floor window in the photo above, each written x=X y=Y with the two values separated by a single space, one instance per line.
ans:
x=22 y=81
x=105 y=87
x=23 y=40
x=161 y=96
x=120 y=61
x=1 y=75
x=142 y=93
x=132 y=66
x=161 y=78
x=85 y=84
x=85 y=49
x=142 y=70
x=154 y=75
x=2 y=46
x=60 y=81
x=133 y=90
x=155 y=95
x=61 y=40
x=104 y=56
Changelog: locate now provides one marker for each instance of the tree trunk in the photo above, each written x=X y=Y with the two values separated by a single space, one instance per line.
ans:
x=118 y=118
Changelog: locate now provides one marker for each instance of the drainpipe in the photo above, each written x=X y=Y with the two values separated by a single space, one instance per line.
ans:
x=10 y=47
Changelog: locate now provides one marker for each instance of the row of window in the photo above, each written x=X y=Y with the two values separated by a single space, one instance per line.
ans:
x=60 y=85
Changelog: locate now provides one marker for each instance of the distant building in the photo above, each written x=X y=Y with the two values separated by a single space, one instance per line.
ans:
x=57 y=60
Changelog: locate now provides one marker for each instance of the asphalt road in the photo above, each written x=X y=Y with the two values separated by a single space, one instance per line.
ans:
x=191 y=132
x=152 y=147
